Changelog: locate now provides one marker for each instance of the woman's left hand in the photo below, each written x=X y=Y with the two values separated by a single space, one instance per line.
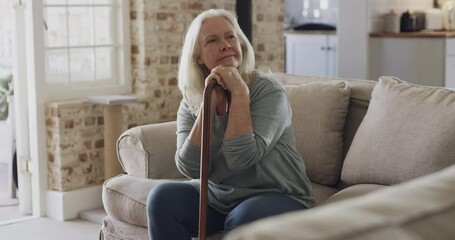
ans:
x=231 y=80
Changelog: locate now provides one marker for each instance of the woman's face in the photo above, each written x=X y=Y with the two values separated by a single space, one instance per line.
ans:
x=218 y=44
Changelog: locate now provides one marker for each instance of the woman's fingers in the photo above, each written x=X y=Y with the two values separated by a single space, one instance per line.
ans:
x=231 y=78
x=214 y=76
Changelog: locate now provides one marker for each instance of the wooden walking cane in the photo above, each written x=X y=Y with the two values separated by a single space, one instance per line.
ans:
x=205 y=148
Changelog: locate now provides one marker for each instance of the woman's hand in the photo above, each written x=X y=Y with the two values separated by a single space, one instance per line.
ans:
x=228 y=77
x=239 y=121
x=219 y=100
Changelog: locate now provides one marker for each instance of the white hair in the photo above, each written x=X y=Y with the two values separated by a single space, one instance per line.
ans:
x=191 y=75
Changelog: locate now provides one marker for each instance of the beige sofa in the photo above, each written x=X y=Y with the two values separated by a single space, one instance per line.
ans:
x=357 y=138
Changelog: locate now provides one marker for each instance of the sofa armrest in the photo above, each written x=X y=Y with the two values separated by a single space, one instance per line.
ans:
x=423 y=208
x=148 y=151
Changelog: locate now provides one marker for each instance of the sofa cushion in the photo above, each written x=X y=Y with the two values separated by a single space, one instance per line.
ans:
x=125 y=198
x=422 y=208
x=408 y=131
x=322 y=192
x=319 y=111
x=358 y=103
x=353 y=191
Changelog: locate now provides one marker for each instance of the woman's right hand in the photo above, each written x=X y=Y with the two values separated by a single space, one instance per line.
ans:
x=219 y=96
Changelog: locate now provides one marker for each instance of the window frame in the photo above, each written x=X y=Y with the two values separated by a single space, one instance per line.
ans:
x=122 y=49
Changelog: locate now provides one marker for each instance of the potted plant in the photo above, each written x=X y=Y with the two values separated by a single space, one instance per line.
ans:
x=6 y=89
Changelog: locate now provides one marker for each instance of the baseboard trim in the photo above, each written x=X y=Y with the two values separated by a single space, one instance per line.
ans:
x=66 y=205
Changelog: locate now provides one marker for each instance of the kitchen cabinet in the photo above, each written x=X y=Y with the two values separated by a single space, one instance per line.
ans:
x=450 y=72
x=450 y=63
x=311 y=54
x=420 y=60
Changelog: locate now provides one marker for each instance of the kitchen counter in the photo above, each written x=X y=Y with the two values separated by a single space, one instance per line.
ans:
x=424 y=59
x=422 y=34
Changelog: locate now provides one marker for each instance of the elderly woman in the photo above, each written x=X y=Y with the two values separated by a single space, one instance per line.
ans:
x=254 y=168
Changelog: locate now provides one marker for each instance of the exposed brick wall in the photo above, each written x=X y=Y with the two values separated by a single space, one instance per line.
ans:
x=268 y=33
x=75 y=128
x=157 y=44
x=75 y=145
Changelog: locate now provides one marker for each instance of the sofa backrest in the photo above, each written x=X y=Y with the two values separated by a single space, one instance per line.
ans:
x=393 y=130
x=358 y=103
x=326 y=115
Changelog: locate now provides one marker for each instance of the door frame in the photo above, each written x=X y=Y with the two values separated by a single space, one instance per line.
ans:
x=37 y=94
x=21 y=108
x=30 y=95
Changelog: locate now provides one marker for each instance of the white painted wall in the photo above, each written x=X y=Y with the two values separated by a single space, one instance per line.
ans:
x=377 y=8
x=356 y=19
x=66 y=205
x=306 y=11
x=353 y=39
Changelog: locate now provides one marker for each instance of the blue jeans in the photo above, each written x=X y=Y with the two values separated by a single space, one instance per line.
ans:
x=173 y=211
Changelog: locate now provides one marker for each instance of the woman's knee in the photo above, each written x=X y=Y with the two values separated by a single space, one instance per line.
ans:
x=160 y=192
x=261 y=206
x=242 y=214
x=156 y=198
x=164 y=195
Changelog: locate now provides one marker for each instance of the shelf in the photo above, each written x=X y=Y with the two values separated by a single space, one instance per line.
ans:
x=421 y=34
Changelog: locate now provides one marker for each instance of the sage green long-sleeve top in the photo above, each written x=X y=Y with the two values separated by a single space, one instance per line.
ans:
x=249 y=164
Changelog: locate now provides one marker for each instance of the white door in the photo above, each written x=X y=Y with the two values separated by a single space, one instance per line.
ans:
x=450 y=72
x=21 y=108
x=450 y=64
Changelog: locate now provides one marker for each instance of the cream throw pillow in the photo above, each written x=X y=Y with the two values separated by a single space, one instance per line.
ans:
x=408 y=131
x=319 y=111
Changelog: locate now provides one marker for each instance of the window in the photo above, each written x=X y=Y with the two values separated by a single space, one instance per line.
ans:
x=86 y=44
x=6 y=35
